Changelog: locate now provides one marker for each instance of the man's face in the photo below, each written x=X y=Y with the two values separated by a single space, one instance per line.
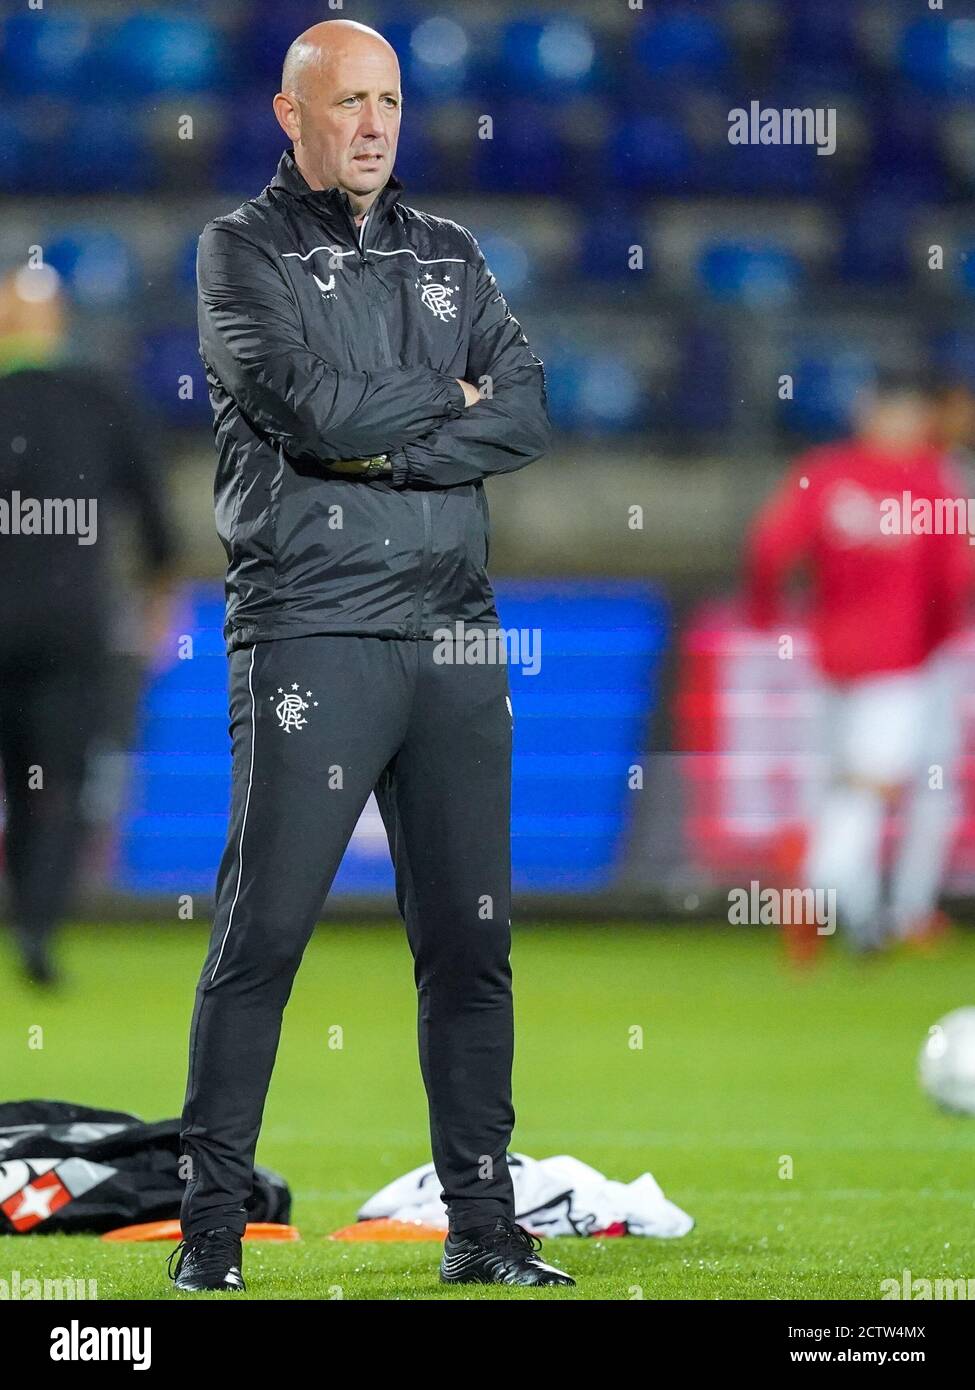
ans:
x=897 y=421
x=350 y=118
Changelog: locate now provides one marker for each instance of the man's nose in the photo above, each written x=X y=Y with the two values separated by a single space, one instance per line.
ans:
x=371 y=122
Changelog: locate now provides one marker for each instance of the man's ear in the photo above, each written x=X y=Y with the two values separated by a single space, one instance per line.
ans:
x=288 y=117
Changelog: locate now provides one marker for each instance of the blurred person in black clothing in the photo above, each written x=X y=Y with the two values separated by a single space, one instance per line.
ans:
x=72 y=458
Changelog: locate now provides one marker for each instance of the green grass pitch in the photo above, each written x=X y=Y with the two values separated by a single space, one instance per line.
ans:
x=741 y=1065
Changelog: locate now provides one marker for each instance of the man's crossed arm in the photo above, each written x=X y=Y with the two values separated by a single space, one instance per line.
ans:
x=252 y=337
x=509 y=426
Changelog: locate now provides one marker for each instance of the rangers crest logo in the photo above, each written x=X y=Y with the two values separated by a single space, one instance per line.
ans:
x=290 y=707
x=438 y=298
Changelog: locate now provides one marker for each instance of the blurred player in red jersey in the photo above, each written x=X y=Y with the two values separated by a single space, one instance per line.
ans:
x=873 y=522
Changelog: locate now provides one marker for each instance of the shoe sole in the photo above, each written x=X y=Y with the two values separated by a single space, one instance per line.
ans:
x=212 y=1288
x=478 y=1279
x=221 y=1289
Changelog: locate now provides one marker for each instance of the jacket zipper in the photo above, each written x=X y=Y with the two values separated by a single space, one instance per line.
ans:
x=424 y=567
x=416 y=630
x=384 y=338
x=426 y=562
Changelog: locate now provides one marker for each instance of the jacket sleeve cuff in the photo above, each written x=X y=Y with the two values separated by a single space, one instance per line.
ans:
x=401 y=468
x=458 y=400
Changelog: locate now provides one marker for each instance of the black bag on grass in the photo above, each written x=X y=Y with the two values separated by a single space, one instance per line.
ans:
x=71 y=1168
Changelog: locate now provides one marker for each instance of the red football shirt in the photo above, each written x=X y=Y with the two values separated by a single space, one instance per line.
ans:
x=886 y=548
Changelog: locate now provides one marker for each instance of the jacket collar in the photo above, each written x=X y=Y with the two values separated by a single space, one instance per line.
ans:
x=289 y=179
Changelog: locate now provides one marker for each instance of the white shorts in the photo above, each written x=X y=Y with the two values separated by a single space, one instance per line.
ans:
x=892 y=728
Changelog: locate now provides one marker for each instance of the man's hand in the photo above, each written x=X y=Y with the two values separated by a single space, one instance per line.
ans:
x=381 y=467
x=378 y=467
x=471 y=393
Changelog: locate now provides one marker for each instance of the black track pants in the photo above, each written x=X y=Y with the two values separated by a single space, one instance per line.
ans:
x=317 y=724
x=48 y=719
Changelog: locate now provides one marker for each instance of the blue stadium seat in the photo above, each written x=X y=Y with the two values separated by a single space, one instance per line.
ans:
x=98 y=267
x=966 y=266
x=184 y=264
x=612 y=397
x=905 y=161
x=749 y=273
x=435 y=54
x=820 y=36
x=153 y=53
x=826 y=383
x=15 y=154
x=48 y=52
x=527 y=153
x=416 y=155
x=170 y=355
x=250 y=147
x=592 y=392
x=767 y=169
x=875 y=243
x=563 y=379
x=555 y=54
x=681 y=45
x=509 y=260
x=603 y=251
x=937 y=53
x=653 y=152
x=267 y=33
x=705 y=357
x=104 y=149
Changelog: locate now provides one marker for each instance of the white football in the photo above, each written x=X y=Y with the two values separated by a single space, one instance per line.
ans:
x=947 y=1062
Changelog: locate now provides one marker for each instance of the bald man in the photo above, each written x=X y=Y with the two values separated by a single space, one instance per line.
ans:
x=366 y=376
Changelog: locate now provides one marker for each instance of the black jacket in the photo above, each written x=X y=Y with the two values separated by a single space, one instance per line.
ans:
x=79 y=439
x=320 y=349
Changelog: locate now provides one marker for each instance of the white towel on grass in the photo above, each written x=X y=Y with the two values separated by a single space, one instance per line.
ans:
x=558 y=1196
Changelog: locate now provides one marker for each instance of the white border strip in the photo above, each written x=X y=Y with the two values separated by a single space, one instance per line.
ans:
x=247 y=802
x=405 y=251
x=334 y=250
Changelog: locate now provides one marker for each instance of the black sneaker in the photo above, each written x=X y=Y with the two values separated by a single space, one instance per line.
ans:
x=505 y=1255
x=36 y=961
x=208 y=1260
